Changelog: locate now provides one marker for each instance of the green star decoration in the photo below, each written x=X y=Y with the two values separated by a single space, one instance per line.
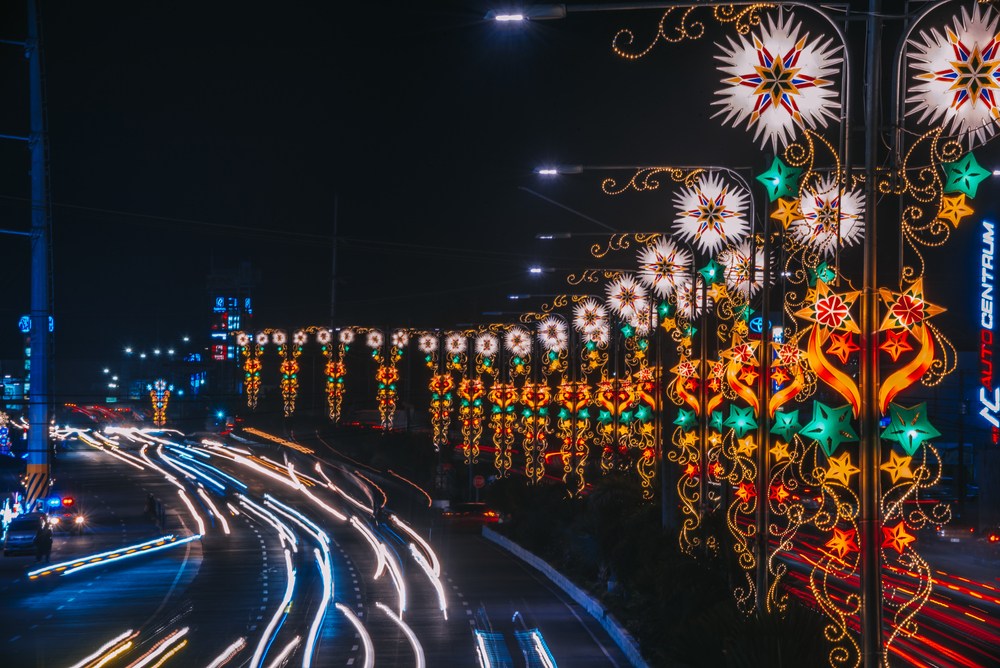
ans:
x=786 y=425
x=964 y=175
x=643 y=414
x=628 y=331
x=604 y=417
x=686 y=419
x=823 y=272
x=780 y=180
x=664 y=310
x=741 y=420
x=830 y=427
x=716 y=421
x=909 y=427
x=712 y=272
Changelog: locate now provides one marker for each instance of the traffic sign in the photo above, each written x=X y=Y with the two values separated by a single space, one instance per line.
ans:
x=479 y=482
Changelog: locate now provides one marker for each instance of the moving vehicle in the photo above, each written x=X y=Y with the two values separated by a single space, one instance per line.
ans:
x=472 y=513
x=20 y=537
x=65 y=515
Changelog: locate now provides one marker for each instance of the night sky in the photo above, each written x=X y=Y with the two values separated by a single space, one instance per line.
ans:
x=193 y=136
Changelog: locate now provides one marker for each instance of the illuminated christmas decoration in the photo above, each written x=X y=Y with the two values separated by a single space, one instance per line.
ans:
x=743 y=269
x=552 y=334
x=710 y=215
x=907 y=311
x=829 y=427
x=615 y=397
x=503 y=416
x=289 y=367
x=691 y=306
x=589 y=315
x=626 y=296
x=159 y=394
x=534 y=427
x=470 y=413
x=830 y=215
x=786 y=424
x=663 y=266
x=781 y=181
x=573 y=432
x=954 y=209
x=386 y=371
x=334 y=369
x=777 y=82
x=832 y=313
x=251 y=349
x=441 y=385
x=909 y=427
x=4 y=434
x=957 y=75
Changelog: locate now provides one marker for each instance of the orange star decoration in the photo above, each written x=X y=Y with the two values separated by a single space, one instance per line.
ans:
x=746 y=446
x=780 y=451
x=843 y=542
x=954 y=209
x=841 y=469
x=691 y=471
x=689 y=439
x=749 y=375
x=669 y=324
x=907 y=309
x=714 y=438
x=831 y=310
x=789 y=210
x=780 y=376
x=842 y=345
x=896 y=343
x=745 y=492
x=897 y=467
x=896 y=537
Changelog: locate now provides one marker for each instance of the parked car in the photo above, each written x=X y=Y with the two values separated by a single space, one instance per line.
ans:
x=20 y=537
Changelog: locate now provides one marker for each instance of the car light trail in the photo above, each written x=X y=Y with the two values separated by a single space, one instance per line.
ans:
x=236 y=481
x=373 y=541
x=366 y=640
x=166 y=474
x=282 y=610
x=110 y=646
x=228 y=654
x=284 y=467
x=190 y=471
x=481 y=653
x=542 y=650
x=319 y=502
x=323 y=564
x=419 y=558
x=195 y=513
x=147 y=547
x=215 y=511
x=128 y=459
x=279 y=440
x=158 y=650
x=435 y=565
x=284 y=531
x=285 y=653
x=295 y=515
x=410 y=635
x=417 y=487
x=385 y=499
x=397 y=577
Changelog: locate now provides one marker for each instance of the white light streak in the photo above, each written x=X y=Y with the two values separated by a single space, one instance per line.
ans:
x=366 y=639
x=280 y=659
x=160 y=648
x=104 y=648
x=228 y=653
x=422 y=562
x=258 y=654
x=325 y=570
x=194 y=513
x=418 y=650
x=215 y=511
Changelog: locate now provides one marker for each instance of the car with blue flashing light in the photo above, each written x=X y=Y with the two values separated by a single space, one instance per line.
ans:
x=65 y=515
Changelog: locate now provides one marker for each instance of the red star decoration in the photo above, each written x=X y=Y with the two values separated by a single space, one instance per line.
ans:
x=745 y=492
x=714 y=384
x=843 y=542
x=842 y=345
x=896 y=343
x=691 y=471
x=896 y=537
x=717 y=470
x=780 y=376
x=779 y=493
x=691 y=385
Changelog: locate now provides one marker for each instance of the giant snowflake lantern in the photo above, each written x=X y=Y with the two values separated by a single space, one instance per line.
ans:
x=710 y=214
x=829 y=215
x=958 y=76
x=627 y=297
x=664 y=266
x=777 y=82
x=744 y=269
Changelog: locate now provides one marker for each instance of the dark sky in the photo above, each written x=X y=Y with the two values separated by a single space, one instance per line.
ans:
x=191 y=135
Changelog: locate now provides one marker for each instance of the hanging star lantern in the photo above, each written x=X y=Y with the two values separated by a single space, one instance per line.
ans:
x=897 y=537
x=954 y=209
x=830 y=310
x=895 y=344
x=964 y=175
x=958 y=75
x=907 y=309
x=830 y=427
x=789 y=210
x=841 y=469
x=909 y=427
x=842 y=345
x=741 y=420
x=843 y=542
x=786 y=424
x=898 y=467
x=686 y=420
x=780 y=451
x=780 y=180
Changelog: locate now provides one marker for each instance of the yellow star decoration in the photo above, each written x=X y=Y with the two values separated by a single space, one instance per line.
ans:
x=740 y=328
x=686 y=342
x=954 y=209
x=717 y=292
x=746 y=446
x=896 y=537
x=689 y=439
x=669 y=324
x=907 y=309
x=780 y=451
x=841 y=469
x=714 y=439
x=843 y=542
x=789 y=210
x=897 y=467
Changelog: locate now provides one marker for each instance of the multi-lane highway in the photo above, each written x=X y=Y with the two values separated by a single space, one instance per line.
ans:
x=265 y=552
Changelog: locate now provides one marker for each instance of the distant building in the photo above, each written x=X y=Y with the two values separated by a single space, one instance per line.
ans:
x=231 y=294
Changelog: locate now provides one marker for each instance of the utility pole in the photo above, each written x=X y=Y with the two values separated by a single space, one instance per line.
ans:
x=333 y=263
x=37 y=478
